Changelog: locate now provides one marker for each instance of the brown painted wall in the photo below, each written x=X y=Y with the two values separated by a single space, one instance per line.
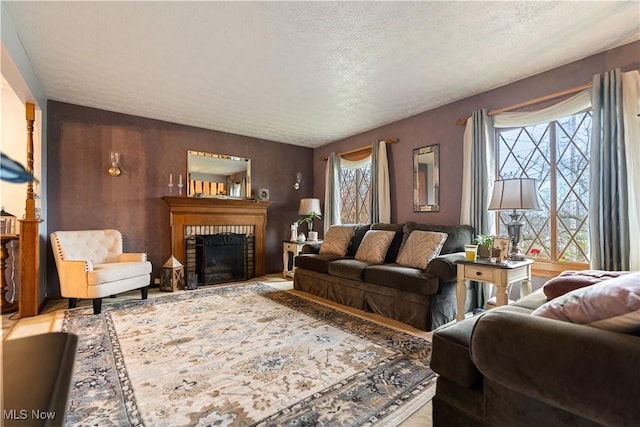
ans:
x=82 y=195
x=438 y=127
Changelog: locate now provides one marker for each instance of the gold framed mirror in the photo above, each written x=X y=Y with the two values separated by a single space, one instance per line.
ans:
x=426 y=178
x=218 y=175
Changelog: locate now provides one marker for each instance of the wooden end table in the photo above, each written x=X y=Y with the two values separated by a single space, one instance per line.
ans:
x=500 y=274
x=294 y=248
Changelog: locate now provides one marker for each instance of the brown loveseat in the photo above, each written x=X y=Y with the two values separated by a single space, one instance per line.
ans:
x=507 y=367
x=424 y=299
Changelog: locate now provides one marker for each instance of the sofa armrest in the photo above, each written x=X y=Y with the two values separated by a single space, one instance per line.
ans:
x=311 y=248
x=444 y=266
x=132 y=257
x=577 y=368
x=37 y=372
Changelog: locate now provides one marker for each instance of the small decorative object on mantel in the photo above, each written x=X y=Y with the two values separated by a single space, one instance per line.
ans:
x=170 y=184
x=180 y=185
x=263 y=194
x=172 y=275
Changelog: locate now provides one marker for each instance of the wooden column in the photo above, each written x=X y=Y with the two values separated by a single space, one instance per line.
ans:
x=29 y=286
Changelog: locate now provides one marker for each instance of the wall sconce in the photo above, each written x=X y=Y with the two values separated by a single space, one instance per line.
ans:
x=114 y=170
x=296 y=186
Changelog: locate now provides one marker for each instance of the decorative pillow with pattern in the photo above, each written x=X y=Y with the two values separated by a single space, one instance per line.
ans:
x=336 y=240
x=420 y=248
x=374 y=246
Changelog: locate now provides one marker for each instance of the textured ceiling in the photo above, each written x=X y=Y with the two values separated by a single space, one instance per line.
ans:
x=304 y=73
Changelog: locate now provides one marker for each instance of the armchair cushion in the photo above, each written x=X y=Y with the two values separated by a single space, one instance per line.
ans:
x=111 y=272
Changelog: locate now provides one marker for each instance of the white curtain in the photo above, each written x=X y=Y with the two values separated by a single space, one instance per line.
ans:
x=579 y=102
x=380 y=207
x=332 y=192
x=631 y=118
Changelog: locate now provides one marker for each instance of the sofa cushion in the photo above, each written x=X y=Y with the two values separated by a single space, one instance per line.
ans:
x=612 y=304
x=568 y=281
x=349 y=268
x=404 y=278
x=394 y=247
x=315 y=262
x=374 y=246
x=359 y=231
x=336 y=240
x=458 y=235
x=420 y=248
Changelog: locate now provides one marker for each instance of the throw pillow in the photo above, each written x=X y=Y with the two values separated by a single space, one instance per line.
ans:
x=612 y=304
x=567 y=281
x=336 y=240
x=374 y=246
x=420 y=248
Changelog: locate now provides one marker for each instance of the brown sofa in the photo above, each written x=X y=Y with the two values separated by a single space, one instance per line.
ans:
x=509 y=368
x=424 y=299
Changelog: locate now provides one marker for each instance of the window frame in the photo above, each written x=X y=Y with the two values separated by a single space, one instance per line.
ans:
x=545 y=267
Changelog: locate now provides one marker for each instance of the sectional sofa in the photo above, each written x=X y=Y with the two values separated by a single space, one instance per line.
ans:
x=424 y=298
x=561 y=356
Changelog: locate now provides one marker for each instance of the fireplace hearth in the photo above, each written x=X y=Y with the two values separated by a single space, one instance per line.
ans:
x=219 y=258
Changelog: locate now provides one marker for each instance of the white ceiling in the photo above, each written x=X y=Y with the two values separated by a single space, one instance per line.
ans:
x=303 y=73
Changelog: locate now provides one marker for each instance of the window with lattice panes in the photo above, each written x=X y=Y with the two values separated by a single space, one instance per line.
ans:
x=355 y=186
x=556 y=154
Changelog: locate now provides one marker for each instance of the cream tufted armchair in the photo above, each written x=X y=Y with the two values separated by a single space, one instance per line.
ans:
x=91 y=264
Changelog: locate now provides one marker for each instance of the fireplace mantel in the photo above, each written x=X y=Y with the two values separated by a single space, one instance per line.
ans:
x=195 y=211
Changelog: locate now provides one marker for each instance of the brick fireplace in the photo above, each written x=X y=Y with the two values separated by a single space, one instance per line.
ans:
x=193 y=216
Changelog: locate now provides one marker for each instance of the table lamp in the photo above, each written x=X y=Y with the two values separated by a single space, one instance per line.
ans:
x=310 y=208
x=517 y=194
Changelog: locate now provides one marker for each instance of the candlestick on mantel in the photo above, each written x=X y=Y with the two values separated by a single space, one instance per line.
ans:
x=180 y=180
x=170 y=179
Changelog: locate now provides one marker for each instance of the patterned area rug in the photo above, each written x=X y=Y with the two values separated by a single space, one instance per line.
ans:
x=242 y=355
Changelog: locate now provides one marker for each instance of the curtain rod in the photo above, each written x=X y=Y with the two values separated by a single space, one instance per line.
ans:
x=360 y=149
x=462 y=121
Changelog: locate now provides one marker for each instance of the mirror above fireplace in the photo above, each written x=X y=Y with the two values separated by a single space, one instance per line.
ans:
x=218 y=175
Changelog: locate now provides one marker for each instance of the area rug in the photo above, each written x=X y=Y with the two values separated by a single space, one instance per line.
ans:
x=242 y=355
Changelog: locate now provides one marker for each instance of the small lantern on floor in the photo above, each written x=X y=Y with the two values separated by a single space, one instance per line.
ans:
x=172 y=275
x=7 y=222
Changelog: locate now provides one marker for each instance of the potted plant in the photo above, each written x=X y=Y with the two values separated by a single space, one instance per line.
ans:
x=309 y=220
x=485 y=245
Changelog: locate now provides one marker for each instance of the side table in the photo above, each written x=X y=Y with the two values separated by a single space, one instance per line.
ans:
x=294 y=248
x=500 y=274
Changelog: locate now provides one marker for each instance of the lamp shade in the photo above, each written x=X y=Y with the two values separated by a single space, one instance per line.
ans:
x=309 y=205
x=516 y=194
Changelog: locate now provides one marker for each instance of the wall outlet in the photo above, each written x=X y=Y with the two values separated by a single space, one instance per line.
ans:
x=156 y=281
